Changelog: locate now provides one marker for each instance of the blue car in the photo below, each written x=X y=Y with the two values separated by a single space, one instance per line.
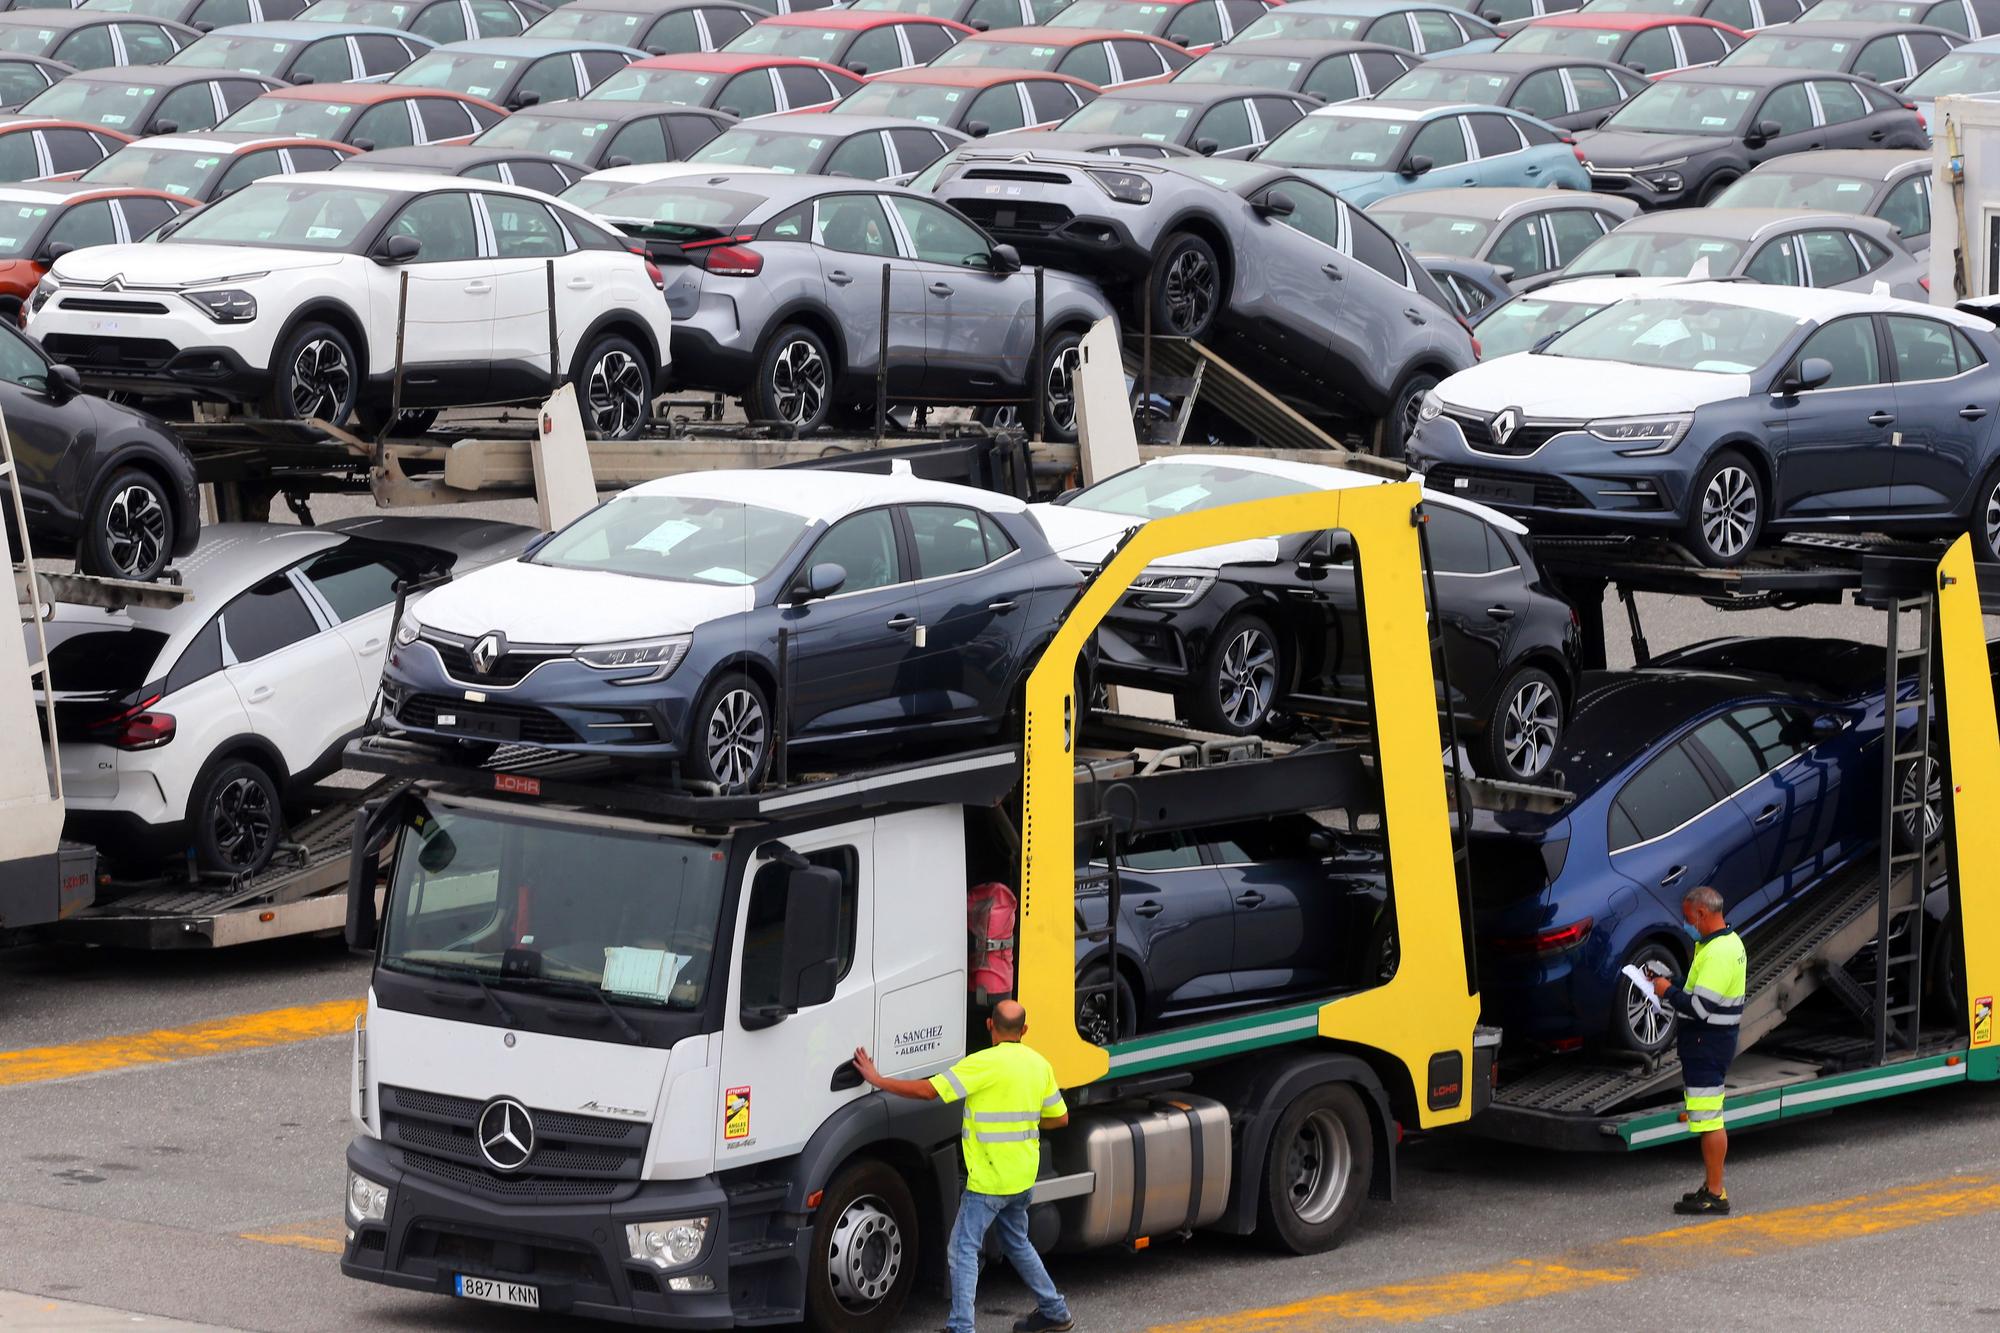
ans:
x=1708 y=767
x=1367 y=151
x=1426 y=27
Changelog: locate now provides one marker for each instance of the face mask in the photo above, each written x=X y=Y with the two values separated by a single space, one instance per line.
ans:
x=1693 y=931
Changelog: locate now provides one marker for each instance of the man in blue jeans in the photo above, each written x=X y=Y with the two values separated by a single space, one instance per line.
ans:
x=1010 y=1097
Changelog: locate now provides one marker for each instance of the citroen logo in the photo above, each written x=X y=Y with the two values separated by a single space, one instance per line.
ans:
x=116 y=283
x=1505 y=423
x=487 y=651
x=506 y=1134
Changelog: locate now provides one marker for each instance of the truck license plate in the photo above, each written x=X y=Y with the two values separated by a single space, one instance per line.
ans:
x=500 y=1293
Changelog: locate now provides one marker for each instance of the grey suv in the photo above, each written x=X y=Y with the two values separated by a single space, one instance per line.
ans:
x=775 y=287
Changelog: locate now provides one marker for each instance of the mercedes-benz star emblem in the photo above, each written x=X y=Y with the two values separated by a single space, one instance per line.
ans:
x=488 y=651
x=1505 y=423
x=506 y=1134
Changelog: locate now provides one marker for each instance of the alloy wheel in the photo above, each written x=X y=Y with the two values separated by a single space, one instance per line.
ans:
x=242 y=821
x=1318 y=1162
x=1093 y=1018
x=1249 y=677
x=616 y=394
x=1992 y=518
x=322 y=380
x=736 y=736
x=864 y=1255
x=135 y=525
x=798 y=383
x=1649 y=1026
x=1534 y=721
x=1729 y=511
x=1061 y=389
x=1189 y=287
x=1933 y=784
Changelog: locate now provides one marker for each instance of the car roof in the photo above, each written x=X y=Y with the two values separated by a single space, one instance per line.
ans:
x=1601 y=290
x=1869 y=163
x=1046 y=36
x=523 y=47
x=1191 y=94
x=231 y=142
x=73 y=192
x=1326 y=476
x=857 y=19
x=814 y=494
x=840 y=124
x=618 y=110
x=1426 y=107
x=365 y=92
x=1820 y=303
x=388 y=159
x=1755 y=76
x=1623 y=21
x=727 y=62
x=1856 y=29
x=647 y=173
x=162 y=75
x=773 y=189
x=77 y=18
x=296 y=31
x=1073 y=146
x=229 y=558
x=1521 y=61
x=1304 y=48
x=979 y=76
x=1380 y=110
x=648 y=7
x=408 y=182
x=1982 y=46
x=1741 y=224
x=1495 y=201
x=1622 y=716
x=1364 y=6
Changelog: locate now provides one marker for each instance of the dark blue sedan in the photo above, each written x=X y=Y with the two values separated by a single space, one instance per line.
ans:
x=1707 y=768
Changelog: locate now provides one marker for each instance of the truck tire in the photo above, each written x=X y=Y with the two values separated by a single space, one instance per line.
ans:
x=1316 y=1170
x=864 y=1251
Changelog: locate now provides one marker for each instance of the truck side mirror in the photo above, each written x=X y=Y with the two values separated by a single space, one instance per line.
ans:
x=812 y=938
x=371 y=830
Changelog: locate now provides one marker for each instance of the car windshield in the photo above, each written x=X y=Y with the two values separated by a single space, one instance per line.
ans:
x=1548 y=39
x=474 y=888
x=773 y=149
x=1243 y=67
x=1341 y=143
x=1957 y=72
x=28 y=38
x=1673 y=333
x=678 y=212
x=1000 y=55
x=575 y=23
x=104 y=661
x=368 y=13
x=932 y=103
x=685 y=539
x=1686 y=108
x=290 y=115
x=689 y=87
x=1518 y=324
x=1155 y=122
x=1435 y=233
x=244 y=55
x=1785 y=51
x=1658 y=254
x=588 y=194
x=293 y=217
x=567 y=137
x=792 y=39
x=1285 y=23
x=1129 y=15
x=461 y=72
x=176 y=172
x=1158 y=489
x=20 y=224
x=1432 y=83
x=1802 y=190
x=114 y=104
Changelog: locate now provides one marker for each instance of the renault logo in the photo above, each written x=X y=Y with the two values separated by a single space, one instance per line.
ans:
x=506 y=1134
x=488 y=651
x=1505 y=423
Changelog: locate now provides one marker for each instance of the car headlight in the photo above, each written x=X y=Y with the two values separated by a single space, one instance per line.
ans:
x=407 y=630
x=226 y=305
x=1430 y=407
x=675 y=1243
x=1647 y=435
x=1170 y=589
x=662 y=655
x=1660 y=176
x=1127 y=187
x=43 y=291
x=366 y=1201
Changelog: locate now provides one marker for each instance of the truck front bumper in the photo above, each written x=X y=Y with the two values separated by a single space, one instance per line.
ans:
x=574 y=1254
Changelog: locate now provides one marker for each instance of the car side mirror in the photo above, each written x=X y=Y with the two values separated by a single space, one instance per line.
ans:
x=980 y=25
x=365 y=145
x=858 y=69
x=1417 y=165
x=1636 y=68
x=1811 y=373
x=1178 y=38
x=1276 y=204
x=657 y=51
x=522 y=101
x=1206 y=147
x=822 y=580
x=1490 y=15
x=619 y=161
x=53 y=251
x=1826 y=726
x=730 y=111
x=809 y=961
x=978 y=129
x=203 y=26
x=1006 y=259
x=64 y=383
x=1763 y=132
x=399 y=250
x=302 y=80
x=164 y=127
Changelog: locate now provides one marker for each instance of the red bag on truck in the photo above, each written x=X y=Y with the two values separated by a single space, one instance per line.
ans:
x=990 y=915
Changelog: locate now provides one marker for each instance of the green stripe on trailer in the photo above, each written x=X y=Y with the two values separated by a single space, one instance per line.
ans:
x=1983 y=1066
x=1211 y=1040
x=1808 y=1098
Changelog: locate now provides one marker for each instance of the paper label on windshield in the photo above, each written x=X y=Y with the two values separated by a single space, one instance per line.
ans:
x=648 y=972
x=1663 y=334
x=1714 y=122
x=723 y=574
x=667 y=536
x=322 y=233
x=1187 y=497
x=479 y=90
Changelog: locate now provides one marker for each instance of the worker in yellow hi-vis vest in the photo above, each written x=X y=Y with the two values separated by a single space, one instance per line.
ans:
x=1010 y=1097
x=1710 y=1008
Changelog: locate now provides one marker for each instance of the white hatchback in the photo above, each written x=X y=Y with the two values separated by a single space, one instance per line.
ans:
x=293 y=295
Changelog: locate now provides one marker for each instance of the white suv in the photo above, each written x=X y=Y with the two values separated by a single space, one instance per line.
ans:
x=287 y=295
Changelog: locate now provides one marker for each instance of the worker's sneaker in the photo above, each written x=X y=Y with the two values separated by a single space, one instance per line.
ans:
x=1703 y=1204
x=1037 y=1322
x=1694 y=1194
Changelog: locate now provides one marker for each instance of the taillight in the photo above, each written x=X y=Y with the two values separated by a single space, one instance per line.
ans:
x=1556 y=939
x=135 y=728
x=1925 y=281
x=659 y=279
x=726 y=255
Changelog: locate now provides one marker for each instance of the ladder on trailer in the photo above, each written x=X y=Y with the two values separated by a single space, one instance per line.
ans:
x=1906 y=788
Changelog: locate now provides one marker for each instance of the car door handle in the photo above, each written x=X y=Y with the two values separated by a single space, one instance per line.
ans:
x=1766 y=815
x=1531 y=171
x=1002 y=607
x=581 y=284
x=840 y=277
x=1249 y=899
x=901 y=622
x=1333 y=271
x=1880 y=418
x=1148 y=909
x=369 y=647
x=940 y=289
x=1672 y=876
x=261 y=693
x=1414 y=315
x=479 y=288
x=1972 y=412
x=1500 y=612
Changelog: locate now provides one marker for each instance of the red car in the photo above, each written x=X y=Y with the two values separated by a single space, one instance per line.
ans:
x=861 y=43
x=1650 y=44
x=368 y=115
x=38 y=148
x=731 y=81
x=1197 y=25
x=1104 y=57
x=201 y=167
x=972 y=99
x=40 y=222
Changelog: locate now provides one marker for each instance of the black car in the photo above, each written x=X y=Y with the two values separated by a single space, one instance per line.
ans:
x=1228 y=917
x=1683 y=140
x=650 y=627
x=1240 y=632
x=159 y=99
x=1565 y=91
x=23 y=77
x=100 y=481
x=1326 y=69
x=591 y=135
x=1890 y=54
x=1214 y=119
x=657 y=27
x=515 y=166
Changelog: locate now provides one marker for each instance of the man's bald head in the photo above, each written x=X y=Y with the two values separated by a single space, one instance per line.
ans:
x=1010 y=1020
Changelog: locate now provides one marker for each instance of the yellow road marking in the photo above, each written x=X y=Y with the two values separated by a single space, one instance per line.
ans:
x=325 y=1237
x=217 y=1036
x=1715 y=1241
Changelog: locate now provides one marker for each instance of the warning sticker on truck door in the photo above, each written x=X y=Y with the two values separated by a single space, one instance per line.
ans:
x=736 y=1113
x=1982 y=1020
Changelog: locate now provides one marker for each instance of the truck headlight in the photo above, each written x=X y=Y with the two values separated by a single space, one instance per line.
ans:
x=366 y=1201
x=1170 y=589
x=1647 y=435
x=662 y=655
x=407 y=630
x=675 y=1243
x=226 y=305
x=1127 y=187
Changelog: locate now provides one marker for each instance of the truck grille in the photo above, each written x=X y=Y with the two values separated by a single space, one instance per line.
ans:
x=455 y=652
x=576 y=1157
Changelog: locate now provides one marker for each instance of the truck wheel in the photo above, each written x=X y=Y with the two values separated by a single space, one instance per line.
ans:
x=1316 y=1171
x=864 y=1251
x=1634 y=1024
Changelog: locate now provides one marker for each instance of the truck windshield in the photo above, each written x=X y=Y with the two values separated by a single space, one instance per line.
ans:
x=516 y=903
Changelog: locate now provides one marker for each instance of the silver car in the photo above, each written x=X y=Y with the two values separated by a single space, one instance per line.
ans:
x=775 y=284
x=1781 y=246
x=1517 y=234
x=1893 y=184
